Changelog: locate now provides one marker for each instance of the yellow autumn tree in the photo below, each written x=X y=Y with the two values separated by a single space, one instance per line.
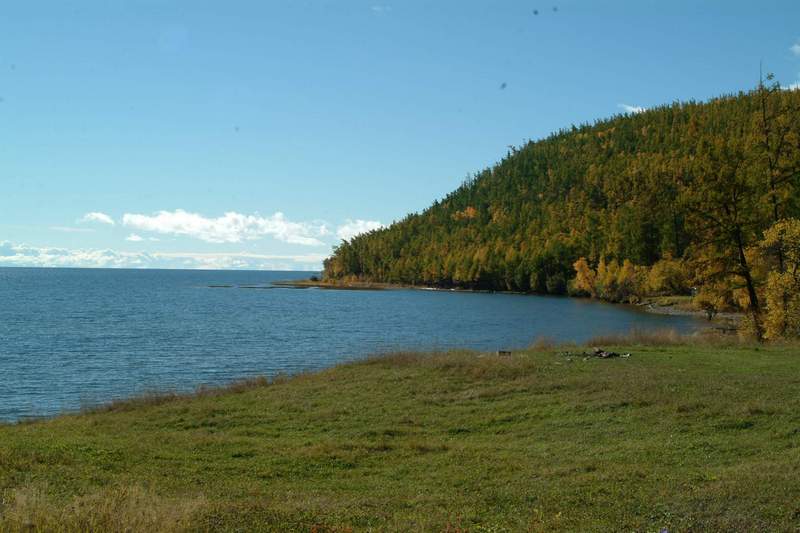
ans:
x=610 y=281
x=668 y=277
x=600 y=278
x=585 y=277
x=783 y=284
x=628 y=283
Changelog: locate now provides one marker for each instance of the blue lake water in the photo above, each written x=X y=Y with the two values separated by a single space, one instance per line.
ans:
x=76 y=337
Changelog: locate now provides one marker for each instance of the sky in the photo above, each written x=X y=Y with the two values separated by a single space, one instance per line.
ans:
x=258 y=134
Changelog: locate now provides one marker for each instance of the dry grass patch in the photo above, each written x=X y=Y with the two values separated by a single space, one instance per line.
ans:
x=153 y=399
x=665 y=337
x=119 y=508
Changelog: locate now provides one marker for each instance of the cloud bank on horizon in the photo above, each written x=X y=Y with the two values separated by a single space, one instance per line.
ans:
x=230 y=228
x=12 y=254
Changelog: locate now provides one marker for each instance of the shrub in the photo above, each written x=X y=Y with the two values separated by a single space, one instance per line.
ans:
x=584 y=278
x=667 y=277
x=610 y=282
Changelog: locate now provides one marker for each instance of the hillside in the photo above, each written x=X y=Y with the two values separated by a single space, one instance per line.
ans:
x=692 y=182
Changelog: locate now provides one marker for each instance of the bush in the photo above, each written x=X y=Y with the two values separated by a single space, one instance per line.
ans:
x=584 y=278
x=610 y=281
x=668 y=277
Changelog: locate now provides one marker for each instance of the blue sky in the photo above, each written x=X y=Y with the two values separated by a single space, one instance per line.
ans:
x=207 y=134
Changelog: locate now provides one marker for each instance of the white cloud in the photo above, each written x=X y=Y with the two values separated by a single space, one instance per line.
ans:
x=24 y=255
x=380 y=9
x=795 y=48
x=231 y=227
x=12 y=254
x=96 y=216
x=244 y=260
x=351 y=228
x=793 y=86
x=134 y=238
x=631 y=108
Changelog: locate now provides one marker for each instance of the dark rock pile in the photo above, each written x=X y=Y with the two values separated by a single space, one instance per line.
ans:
x=595 y=352
x=604 y=354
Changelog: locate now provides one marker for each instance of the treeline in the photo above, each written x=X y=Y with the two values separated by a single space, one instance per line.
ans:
x=687 y=189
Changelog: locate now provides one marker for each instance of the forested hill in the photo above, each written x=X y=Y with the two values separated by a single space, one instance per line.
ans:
x=638 y=187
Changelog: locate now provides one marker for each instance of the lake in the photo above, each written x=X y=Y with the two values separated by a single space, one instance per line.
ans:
x=76 y=337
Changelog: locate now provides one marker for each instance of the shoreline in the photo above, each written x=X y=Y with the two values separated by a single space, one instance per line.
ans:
x=347 y=448
x=626 y=340
x=659 y=305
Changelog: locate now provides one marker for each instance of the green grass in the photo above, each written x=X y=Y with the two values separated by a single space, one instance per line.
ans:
x=680 y=437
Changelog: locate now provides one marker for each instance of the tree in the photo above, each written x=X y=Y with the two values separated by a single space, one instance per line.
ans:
x=721 y=193
x=783 y=287
x=778 y=145
x=585 y=277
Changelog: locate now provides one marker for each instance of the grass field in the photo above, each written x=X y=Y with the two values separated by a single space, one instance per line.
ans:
x=682 y=437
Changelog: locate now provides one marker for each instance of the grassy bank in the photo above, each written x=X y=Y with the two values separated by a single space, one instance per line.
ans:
x=684 y=437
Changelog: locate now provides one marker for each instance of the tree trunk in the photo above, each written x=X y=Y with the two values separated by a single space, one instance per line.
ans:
x=755 y=309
